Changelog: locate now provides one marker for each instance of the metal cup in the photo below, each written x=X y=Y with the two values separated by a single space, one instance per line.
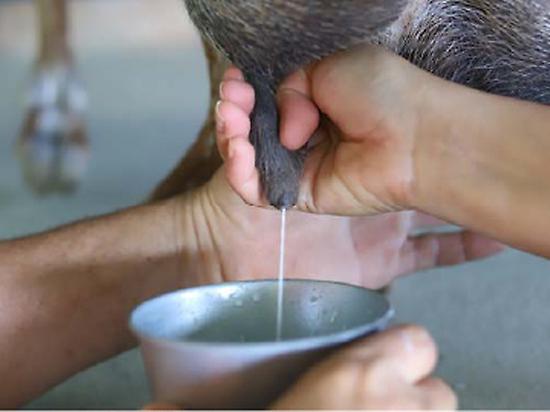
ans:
x=215 y=347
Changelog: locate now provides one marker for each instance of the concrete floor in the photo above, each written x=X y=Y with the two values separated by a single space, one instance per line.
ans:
x=491 y=319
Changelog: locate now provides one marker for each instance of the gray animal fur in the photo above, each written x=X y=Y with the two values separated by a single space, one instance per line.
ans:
x=499 y=46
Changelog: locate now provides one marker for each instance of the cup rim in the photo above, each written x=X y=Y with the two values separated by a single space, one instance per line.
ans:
x=285 y=345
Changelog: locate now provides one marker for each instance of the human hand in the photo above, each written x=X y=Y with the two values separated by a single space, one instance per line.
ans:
x=236 y=241
x=394 y=137
x=390 y=370
x=364 y=154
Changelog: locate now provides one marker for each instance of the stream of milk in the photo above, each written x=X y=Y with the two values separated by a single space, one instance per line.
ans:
x=280 y=288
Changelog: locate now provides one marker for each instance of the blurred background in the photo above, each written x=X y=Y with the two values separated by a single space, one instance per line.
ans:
x=142 y=66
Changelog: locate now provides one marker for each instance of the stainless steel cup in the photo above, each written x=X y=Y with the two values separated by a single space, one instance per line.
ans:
x=214 y=347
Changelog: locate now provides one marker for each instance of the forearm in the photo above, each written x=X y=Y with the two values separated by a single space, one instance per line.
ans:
x=65 y=296
x=484 y=163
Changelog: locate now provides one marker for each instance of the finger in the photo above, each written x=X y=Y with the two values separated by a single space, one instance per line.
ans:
x=406 y=351
x=433 y=250
x=299 y=118
x=437 y=395
x=239 y=93
x=241 y=172
x=456 y=248
x=231 y=122
x=379 y=372
x=233 y=73
x=298 y=81
x=299 y=115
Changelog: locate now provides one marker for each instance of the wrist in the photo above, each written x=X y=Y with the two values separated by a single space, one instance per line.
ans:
x=480 y=163
x=193 y=238
x=457 y=175
x=444 y=145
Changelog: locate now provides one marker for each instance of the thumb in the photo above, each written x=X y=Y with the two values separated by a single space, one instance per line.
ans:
x=408 y=351
x=349 y=86
x=299 y=116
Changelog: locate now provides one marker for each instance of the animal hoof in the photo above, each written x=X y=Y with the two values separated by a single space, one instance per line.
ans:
x=52 y=147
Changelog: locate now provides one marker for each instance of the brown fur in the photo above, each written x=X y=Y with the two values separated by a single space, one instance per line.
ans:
x=52 y=36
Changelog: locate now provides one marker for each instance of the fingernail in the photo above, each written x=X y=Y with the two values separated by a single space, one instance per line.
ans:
x=222 y=96
x=220 y=121
x=282 y=92
x=236 y=74
x=288 y=91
